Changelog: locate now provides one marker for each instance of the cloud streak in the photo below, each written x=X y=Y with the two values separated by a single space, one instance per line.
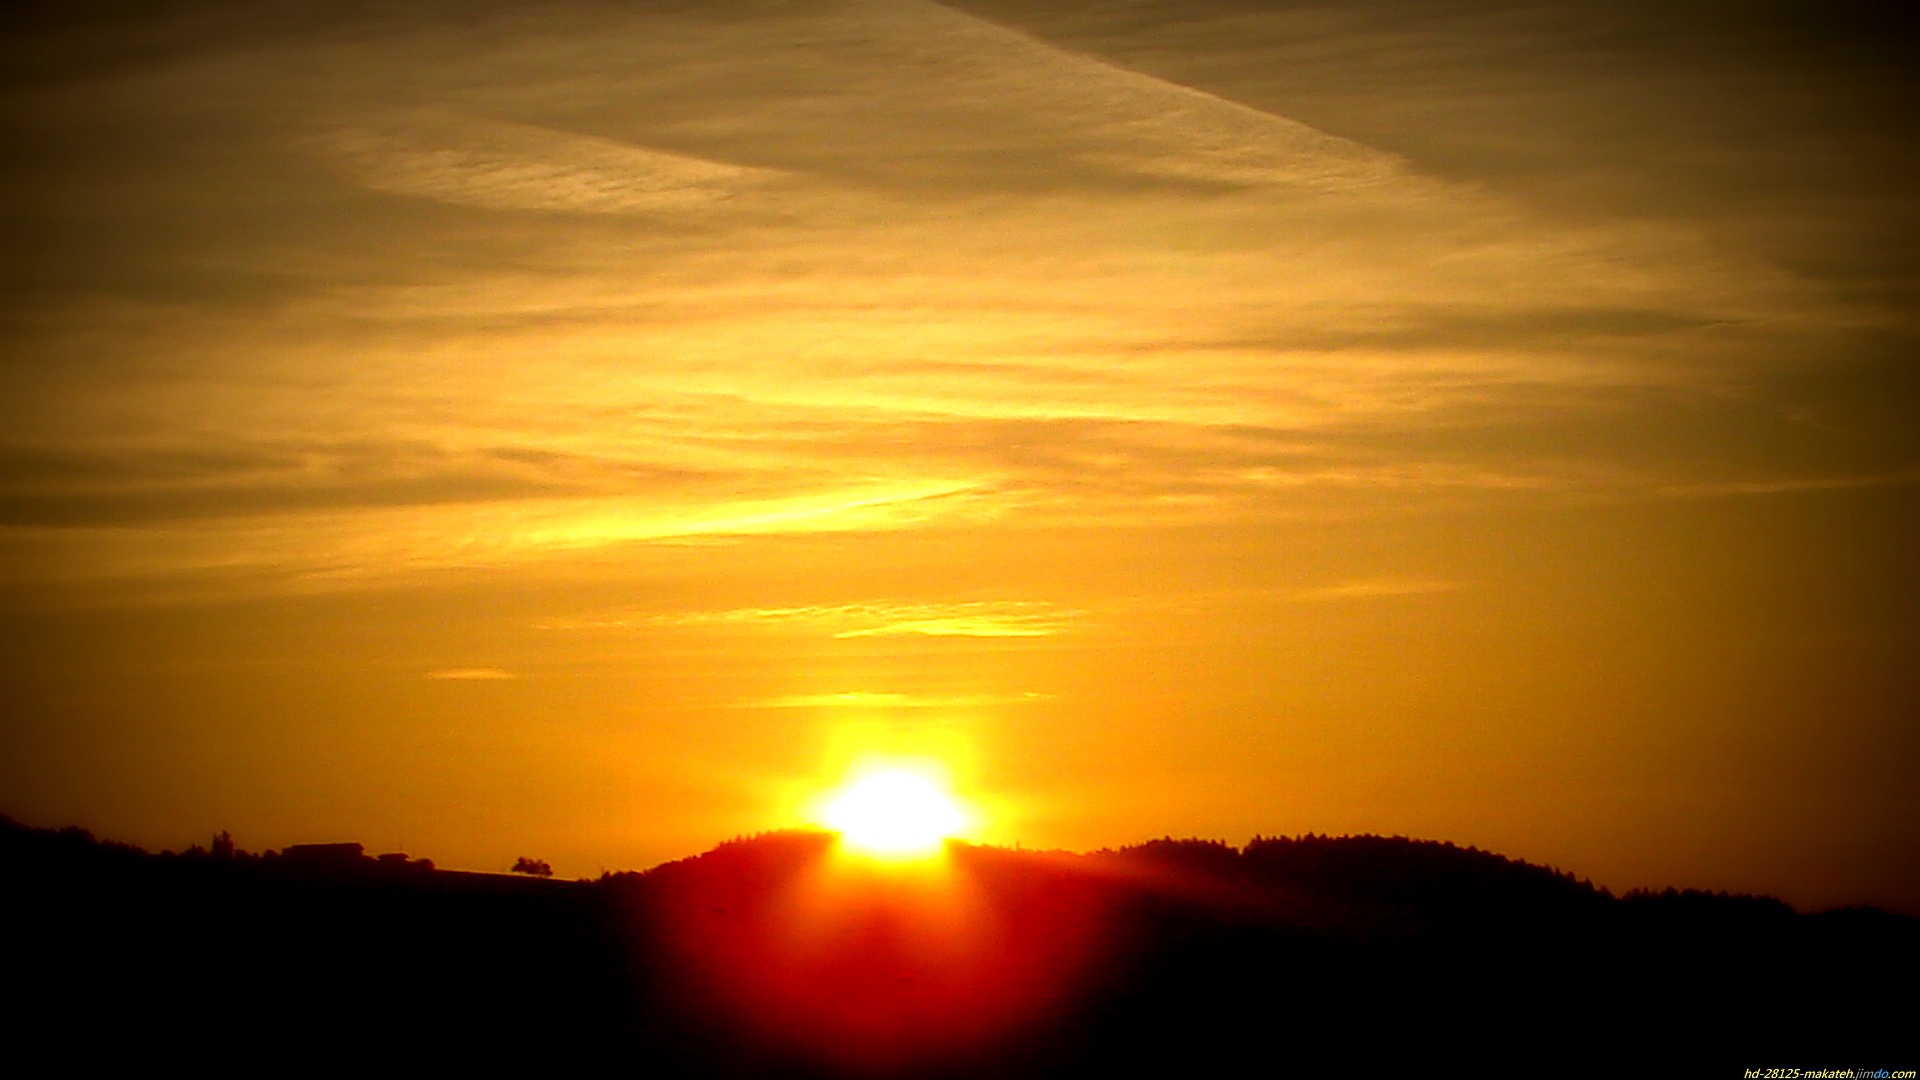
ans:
x=471 y=675
x=497 y=165
x=1376 y=588
x=864 y=700
x=975 y=619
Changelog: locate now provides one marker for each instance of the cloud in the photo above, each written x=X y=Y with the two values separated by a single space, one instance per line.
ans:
x=499 y=165
x=1111 y=117
x=862 y=699
x=133 y=482
x=998 y=619
x=977 y=619
x=1377 y=588
x=471 y=674
x=1790 y=485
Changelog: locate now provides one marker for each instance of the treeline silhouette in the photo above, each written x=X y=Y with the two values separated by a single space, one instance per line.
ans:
x=759 y=958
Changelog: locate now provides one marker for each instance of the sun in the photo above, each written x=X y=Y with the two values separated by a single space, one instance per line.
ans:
x=894 y=812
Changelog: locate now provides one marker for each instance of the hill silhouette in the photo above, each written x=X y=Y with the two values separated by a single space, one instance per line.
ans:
x=773 y=955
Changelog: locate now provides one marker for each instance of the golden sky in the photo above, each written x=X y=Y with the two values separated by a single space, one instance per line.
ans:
x=576 y=430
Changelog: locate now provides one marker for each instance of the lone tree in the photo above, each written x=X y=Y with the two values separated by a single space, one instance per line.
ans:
x=536 y=867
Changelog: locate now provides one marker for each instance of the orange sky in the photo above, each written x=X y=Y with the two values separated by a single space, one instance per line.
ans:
x=577 y=431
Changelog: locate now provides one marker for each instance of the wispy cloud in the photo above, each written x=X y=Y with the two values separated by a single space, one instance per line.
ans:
x=471 y=674
x=990 y=619
x=1790 y=485
x=1377 y=588
x=984 y=619
x=1114 y=118
x=863 y=699
x=505 y=166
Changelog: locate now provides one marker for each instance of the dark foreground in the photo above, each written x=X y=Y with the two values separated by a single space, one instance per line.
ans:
x=777 y=956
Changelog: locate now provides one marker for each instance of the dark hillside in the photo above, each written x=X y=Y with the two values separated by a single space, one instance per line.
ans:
x=775 y=956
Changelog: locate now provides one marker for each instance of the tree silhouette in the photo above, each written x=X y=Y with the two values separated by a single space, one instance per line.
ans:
x=535 y=867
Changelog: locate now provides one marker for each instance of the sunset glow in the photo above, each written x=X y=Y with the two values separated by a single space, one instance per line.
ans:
x=589 y=431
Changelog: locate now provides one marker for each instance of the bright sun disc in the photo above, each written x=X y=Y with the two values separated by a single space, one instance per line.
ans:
x=894 y=813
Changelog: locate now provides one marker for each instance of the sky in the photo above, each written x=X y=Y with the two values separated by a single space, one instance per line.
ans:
x=581 y=430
